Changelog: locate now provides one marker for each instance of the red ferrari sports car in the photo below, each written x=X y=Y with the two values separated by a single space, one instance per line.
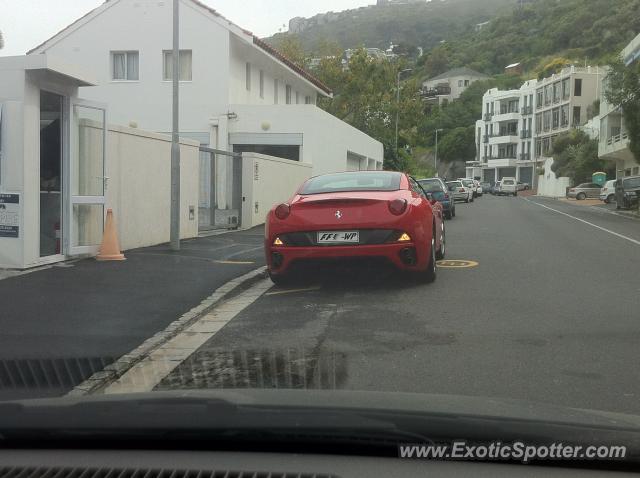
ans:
x=364 y=214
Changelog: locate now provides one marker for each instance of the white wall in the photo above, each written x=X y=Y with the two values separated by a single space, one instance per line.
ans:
x=549 y=184
x=273 y=182
x=147 y=27
x=139 y=187
x=326 y=139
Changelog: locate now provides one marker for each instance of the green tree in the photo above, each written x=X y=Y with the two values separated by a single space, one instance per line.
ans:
x=291 y=47
x=623 y=89
x=436 y=62
x=457 y=145
x=576 y=155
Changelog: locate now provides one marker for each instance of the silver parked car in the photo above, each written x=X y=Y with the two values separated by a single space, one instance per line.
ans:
x=459 y=191
x=584 y=191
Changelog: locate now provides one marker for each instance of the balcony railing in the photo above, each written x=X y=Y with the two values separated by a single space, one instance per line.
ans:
x=433 y=92
x=525 y=156
x=503 y=133
x=525 y=133
x=617 y=138
x=488 y=116
x=526 y=110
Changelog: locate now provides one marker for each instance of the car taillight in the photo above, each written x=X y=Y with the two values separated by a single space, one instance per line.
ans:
x=283 y=211
x=397 y=206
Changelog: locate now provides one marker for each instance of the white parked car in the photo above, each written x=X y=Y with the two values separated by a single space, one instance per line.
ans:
x=479 y=189
x=608 y=192
x=509 y=186
x=470 y=184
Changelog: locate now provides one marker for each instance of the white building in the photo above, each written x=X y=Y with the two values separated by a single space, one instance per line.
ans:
x=504 y=135
x=449 y=85
x=614 y=139
x=235 y=89
x=518 y=127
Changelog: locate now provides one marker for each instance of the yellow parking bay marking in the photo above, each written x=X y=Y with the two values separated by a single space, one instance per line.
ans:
x=291 y=291
x=456 y=264
x=234 y=262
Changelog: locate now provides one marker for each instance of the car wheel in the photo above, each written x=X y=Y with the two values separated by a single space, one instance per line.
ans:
x=610 y=198
x=453 y=212
x=442 y=249
x=448 y=215
x=279 y=279
x=429 y=274
x=466 y=199
x=581 y=196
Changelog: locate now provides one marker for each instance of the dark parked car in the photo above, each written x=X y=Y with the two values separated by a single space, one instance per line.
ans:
x=486 y=186
x=627 y=190
x=440 y=193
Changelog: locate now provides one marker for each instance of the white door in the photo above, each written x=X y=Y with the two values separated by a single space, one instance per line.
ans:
x=87 y=180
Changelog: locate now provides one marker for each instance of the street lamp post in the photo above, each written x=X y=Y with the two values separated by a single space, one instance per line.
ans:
x=436 y=154
x=398 y=104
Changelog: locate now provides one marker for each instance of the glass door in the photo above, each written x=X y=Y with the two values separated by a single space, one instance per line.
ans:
x=87 y=180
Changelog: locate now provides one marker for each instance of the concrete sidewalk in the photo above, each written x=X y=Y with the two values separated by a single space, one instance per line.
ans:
x=70 y=320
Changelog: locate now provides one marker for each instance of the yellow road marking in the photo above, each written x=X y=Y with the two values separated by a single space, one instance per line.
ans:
x=291 y=291
x=456 y=264
x=234 y=262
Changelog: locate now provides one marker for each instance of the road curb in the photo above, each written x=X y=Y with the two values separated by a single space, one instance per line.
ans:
x=117 y=369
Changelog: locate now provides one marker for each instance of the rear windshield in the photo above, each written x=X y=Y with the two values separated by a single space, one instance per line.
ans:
x=631 y=183
x=341 y=182
x=431 y=186
x=467 y=182
x=507 y=181
x=454 y=184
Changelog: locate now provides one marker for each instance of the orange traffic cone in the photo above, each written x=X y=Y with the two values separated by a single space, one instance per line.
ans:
x=110 y=248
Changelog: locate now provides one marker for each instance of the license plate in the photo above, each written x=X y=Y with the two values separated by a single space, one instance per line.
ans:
x=338 y=237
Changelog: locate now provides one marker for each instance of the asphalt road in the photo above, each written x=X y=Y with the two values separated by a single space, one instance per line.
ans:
x=551 y=313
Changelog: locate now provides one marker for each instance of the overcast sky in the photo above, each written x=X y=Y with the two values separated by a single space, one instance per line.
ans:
x=26 y=23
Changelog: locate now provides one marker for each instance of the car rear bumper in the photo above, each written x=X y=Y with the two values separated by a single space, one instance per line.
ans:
x=281 y=258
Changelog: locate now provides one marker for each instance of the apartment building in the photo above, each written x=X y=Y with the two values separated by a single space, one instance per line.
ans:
x=518 y=127
x=564 y=101
x=504 y=135
x=614 y=139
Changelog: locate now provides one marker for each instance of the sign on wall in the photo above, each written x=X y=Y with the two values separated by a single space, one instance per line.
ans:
x=9 y=215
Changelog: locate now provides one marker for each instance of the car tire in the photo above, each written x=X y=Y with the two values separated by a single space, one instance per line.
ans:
x=610 y=198
x=279 y=279
x=466 y=199
x=429 y=274
x=453 y=212
x=442 y=250
x=448 y=215
x=581 y=196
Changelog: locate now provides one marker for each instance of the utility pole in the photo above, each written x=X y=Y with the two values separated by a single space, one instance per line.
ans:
x=174 y=234
x=398 y=104
x=436 y=155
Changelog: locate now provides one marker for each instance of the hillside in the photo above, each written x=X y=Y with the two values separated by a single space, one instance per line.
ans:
x=578 y=30
x=423 y=25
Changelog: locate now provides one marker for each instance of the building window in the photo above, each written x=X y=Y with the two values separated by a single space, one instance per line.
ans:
x=565 y=89
x=276 y=87
x=124 y=65
x=185 y=62
x=556 y=118
x=539 y=98
x=546 y=120
x=545 y=145
x=247 y=74
x=556 y=92
x=466 y=82
x=538 y=148
x=287 y=94
x=547 y=95
x=459 y=83
x=307 y=100
x=577 y=89
x=576 y=116
x=538 y=121
x=564 y=116
x=261 y=84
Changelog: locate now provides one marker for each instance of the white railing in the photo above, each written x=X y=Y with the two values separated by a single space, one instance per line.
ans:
x=617 y=138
